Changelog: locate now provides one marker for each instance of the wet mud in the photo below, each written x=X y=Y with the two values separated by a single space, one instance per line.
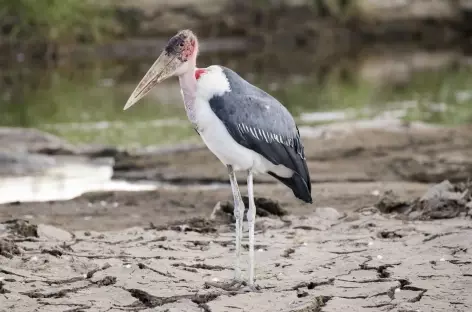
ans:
x=389 y=230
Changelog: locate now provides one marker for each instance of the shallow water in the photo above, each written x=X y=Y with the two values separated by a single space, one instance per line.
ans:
x=71 y=178
x=84 y=102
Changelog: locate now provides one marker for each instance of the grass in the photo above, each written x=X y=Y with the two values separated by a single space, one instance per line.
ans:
x=55 y=22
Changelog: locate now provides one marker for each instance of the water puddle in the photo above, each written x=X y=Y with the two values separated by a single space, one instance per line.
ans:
x=68 y=180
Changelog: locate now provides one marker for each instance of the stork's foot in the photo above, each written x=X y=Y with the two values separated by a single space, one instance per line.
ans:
x=234 y=285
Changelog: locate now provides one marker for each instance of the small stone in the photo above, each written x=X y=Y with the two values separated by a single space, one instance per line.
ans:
x=260 y=250
x=397 y=290
x=53 y=233
x=375 y=193
x=34 y=258
x=87 y=218
x=128 y=266
x=115 y=204
x=328 y=213
x=442 y=259
x=215 y=279
x=370 y=243
x=103 y=203
x=379 y=257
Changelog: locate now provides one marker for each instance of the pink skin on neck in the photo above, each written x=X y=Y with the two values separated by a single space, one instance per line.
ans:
x=188 y=84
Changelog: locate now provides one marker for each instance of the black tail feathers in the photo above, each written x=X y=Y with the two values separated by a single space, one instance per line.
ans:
x=301 y=188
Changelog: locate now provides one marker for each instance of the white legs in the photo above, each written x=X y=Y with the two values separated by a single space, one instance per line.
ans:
x=239 y=216
x=251 y=218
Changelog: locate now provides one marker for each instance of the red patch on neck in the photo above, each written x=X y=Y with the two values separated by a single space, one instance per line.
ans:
x=199 y=72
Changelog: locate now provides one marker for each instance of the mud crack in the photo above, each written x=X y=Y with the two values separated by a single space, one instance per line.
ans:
x=316 y=305
x=196 y=224
x=151 y=301
x=313 y=284
x=143 y=266
x=201 y=266
x=37 y=293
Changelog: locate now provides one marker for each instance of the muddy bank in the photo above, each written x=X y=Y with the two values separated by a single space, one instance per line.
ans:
x=325 y=260
x=385 y=232
x=358 y=151
x=119 y=210
x=363 y=151
x=352 y=164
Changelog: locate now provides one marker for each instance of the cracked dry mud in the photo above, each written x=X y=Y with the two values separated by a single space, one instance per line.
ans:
x=346 y=264
x=391 y=241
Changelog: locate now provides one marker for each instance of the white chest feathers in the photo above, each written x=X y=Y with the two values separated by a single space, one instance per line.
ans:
x=214 y=133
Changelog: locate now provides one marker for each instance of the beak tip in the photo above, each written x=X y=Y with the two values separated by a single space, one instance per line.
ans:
x=128 y=105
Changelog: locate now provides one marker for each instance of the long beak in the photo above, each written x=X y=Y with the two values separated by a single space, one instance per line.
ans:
x=163 y=68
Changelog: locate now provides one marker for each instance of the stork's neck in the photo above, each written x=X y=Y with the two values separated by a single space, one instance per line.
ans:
x=188 y=84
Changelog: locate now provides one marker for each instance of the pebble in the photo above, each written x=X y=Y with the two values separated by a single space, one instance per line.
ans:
x=379 y=257
x=53 y=233
x=328 y=213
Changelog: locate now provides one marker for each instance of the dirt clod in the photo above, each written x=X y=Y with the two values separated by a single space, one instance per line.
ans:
x=106 y=281
x=9 y=249
x=264 y=207
x=22 y=228
x=441 y=201
x=288 y=252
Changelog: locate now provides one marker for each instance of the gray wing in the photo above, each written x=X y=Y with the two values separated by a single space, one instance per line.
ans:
x=259 y=122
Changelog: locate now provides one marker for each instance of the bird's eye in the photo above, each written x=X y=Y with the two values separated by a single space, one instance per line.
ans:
x=181 y=44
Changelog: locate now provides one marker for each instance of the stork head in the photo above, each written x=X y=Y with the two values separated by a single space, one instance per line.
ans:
x=178 y=57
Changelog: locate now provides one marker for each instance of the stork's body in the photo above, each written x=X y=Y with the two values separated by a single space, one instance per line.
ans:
x=243 y=126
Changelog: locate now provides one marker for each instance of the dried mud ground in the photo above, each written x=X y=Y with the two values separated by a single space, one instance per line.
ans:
x=386 y=232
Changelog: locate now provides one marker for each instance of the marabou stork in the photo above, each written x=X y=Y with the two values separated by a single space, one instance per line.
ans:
x=246 y=128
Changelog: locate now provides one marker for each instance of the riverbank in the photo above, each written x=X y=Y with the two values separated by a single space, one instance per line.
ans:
x=383 y=232
x=350 y=162
x=138 y=27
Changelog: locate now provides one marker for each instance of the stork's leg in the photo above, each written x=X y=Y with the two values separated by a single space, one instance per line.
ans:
x=239 y=216
x=251 y=218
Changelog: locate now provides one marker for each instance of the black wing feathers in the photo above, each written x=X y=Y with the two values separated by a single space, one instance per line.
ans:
x=259 y=122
